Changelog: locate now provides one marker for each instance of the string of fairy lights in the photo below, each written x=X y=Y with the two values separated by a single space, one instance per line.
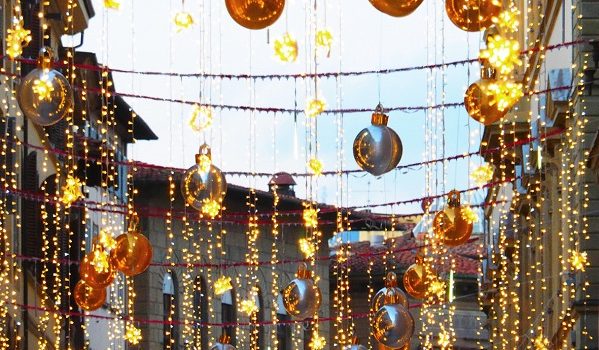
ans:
x=199 y=232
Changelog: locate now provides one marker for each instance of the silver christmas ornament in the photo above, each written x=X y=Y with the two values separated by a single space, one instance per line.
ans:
x=355 y=345
x=377 y=148
x=391 y=282
x=393 y=326
x=301 y=297
x=44 y=94
x=203 y=184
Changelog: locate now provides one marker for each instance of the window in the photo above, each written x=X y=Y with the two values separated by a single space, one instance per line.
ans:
x=229 y=314
x=283 y=329
x=170 y=302
x=200 y=313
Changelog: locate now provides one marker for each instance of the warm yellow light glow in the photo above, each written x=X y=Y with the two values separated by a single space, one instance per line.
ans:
x=222 y=284
x=578 y=260
x=311 y=217
x=248 y=306
x=324 y=40
x=183 y=20
x=17 y=37
x=204 y=163
x=315 y=107
x=133 y=334
x=106 y=240
x=306 y=247
x=315 y=166
x=100 y=260
x=71 y=191
x=502 y=53
x=112 y=4
x=444 y=340
x=508 y=20
x=318 y=342
x=505 y=93
x=211 y=208
x=438 y=288
x=469 y=214
x=541 y=343
x=286 y=48
x=483 y=174
x=201 y=118
x=43 y=88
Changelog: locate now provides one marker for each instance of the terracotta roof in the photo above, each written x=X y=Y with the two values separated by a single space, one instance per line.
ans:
x=282 y=179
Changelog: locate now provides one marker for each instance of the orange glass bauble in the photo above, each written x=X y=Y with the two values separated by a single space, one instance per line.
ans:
x=396 y=8
x=255 y=14
x=93 y=277
x=133 y=252
x=450 y=225
x=479 y=103
x=414 y=280
x=87 y=297
x=472 y=15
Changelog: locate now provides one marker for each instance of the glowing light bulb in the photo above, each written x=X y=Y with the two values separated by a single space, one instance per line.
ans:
x=201 y=118
x=133 y=334
x=183 y=20
x=222 y=284
x=315 y=107
x=502 y=53
x=311 y=217
x=315 y=166
x=286 y=48
x=71 y=191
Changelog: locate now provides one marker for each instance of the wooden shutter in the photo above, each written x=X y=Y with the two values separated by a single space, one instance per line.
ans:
x=31 y=234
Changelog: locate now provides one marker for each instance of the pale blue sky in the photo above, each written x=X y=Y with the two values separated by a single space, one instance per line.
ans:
x=141 y=35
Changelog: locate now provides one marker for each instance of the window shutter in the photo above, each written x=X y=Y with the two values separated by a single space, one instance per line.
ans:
x=31 y=234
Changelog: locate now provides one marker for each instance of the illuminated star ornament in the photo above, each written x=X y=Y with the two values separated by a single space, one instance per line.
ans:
x=508 y=20
x=201 y=118
x=286 y=48
x=43 y=88
x=306 y=247
x=315 y=107
x=469 y=215
x=318 y=342
x=112 y=4
x=483 y=174
x=101 y=260
x=502 y=53
x=578 y=260
x=248 y=306
x=17 y=37
x=183 y=20
x=211 y=208
x=106 y=240
x=311 y=217
x=71 y=191
x=133 y=334
x=315 y=166
x=541 y=343
x=222 y=284
x=324 y=41
x=505 y=93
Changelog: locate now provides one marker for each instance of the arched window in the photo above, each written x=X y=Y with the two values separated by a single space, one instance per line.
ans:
x=200 y=313
x=283 y=329
x=170 y=302
x=229 y=314
x=257 y=332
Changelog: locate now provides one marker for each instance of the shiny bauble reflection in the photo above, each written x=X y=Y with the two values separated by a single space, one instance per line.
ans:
x=378 y=148
x=450 y=225
x=355 y=345
x=390 y=283
x=223 y=343
x=392 y=325
x=44 y=94
x=479 y=103
x=133 y=253
x=383 y=347
x=203 y=182
x=87 y=297
x=255 y=14
x=93 y=277
x=396 y=8
x=301 y=297
x=414 y=281
x=472 y=15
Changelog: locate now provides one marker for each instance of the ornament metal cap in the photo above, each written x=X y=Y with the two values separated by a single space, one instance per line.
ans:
x=45 y=57
x=453 y=199
x=486 y=71
x=355 y=341
x=204 y=150
x=303 y=272
x=391 y=280
x=224 y=339
x=392 y=297
x=379 y=117
x=133 y=222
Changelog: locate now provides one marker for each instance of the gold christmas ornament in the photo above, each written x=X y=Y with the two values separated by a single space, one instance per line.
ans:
x=414 y=279
x=472 y=15
x=301 y=297
x=183 y=20
x=479 y=101
x=133 y=334
x=96 y=269
x=133 y=252
x=222 y=284
x=392 y=325
x=314 y=107
x=17 y=37
x=255 y=14
x=355 y=345
x=396 y=8
x=502 y=53
x=204 y=184
x=378 y=148
x=450 y=225
x=201 y=118
x=71 y=191
x=224 y=343
x=44 y=95
x=286 y=48
x=87 y=297
x=390 y=283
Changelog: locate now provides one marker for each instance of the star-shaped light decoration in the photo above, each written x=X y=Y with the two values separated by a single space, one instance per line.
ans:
x=183 y=20
x=469 y=215
x=286 y=48
x=315 y=166
x=201 y=118
x=112 y=4
x=508 y=20
x=204 y=163
x=578 y=260
x=43 y=88
x=100 y=260
x=71 y=191
x=541 y=343
x=248 y=306
x=211 y=208
x=311 y=217
x=444 y=340
x=438 y=288
x=483 y=174
x=17 y=37
x=222 y=284
x=306 y=247
x=318 y=342
x=505 y=93
x=324 y=41
x=106 y=240
x=314 y=107
x=502 y=53
x=133 y=334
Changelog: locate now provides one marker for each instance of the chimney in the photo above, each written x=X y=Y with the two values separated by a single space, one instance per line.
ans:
x=284 y=184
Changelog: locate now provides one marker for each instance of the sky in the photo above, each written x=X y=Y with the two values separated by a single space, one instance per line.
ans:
x=141 y=36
